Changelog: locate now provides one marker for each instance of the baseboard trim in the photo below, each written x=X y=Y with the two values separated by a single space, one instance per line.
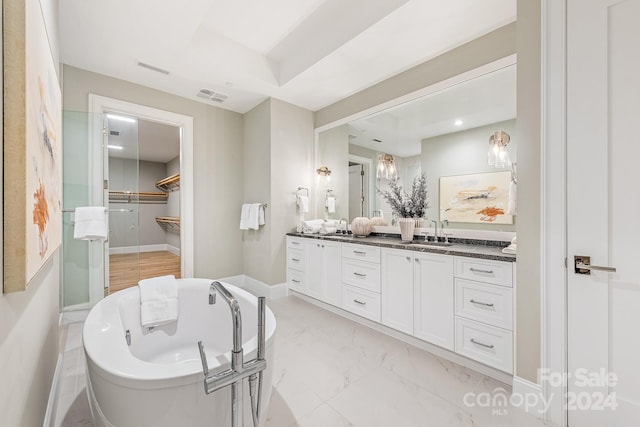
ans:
x=434 y=349
x=144 y=248
x=54 y=391
x=526 y=388
x=256 y=287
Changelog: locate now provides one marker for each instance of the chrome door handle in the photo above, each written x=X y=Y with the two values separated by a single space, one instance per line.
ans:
x=582 y=265
x=359 y=302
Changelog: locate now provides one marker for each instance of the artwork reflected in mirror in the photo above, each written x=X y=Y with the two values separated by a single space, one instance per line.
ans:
x=442 y=134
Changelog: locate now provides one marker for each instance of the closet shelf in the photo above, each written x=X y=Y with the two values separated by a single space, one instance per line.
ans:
x=170 y=183
x=169 y=222
x=137 y=197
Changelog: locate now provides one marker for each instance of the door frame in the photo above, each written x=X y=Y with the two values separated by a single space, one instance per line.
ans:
x=369 y=162
x=99 y=105
x=553 y=212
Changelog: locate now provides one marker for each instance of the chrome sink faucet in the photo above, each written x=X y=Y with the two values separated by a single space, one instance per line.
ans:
x=239 y=369
x=435 y=233
x=442 y=224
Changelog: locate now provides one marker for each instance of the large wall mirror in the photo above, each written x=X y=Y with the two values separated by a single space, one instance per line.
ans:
x=442 y=133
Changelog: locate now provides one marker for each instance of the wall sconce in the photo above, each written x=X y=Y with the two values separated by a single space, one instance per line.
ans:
x=386 y=167
x=324 y=173
x=498 y=155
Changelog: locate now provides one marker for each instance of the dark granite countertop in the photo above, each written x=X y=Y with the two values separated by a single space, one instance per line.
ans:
x=460 y=247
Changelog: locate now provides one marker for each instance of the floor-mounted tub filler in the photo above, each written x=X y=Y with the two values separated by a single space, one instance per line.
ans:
x=154 y=376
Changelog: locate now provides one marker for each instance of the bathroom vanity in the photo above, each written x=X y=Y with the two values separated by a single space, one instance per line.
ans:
x=458 y=298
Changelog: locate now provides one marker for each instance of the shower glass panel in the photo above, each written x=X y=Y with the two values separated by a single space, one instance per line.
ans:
x=82 y=139
x=124 y=201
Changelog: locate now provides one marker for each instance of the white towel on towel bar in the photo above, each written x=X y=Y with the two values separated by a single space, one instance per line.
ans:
x=158 y=301
x=90 y=223
x=512 y=207
x=331 y=204
x=244 y=217
x=256 y=216
x=303 y=204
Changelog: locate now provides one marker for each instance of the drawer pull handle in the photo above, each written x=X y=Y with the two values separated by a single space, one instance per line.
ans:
x=359 y=302
x=295 y=281
x=295 y=243
x=408 y=258
x=479 y=270
x=295 y=259
x=481 y=344
x=486 y=304
x=417 y=260
x=359 y=252
x=359 y=274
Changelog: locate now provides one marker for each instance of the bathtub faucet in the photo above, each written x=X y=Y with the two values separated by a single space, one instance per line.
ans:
x=239 y=369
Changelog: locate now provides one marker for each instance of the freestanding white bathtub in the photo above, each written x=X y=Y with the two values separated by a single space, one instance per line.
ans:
x=158 y=379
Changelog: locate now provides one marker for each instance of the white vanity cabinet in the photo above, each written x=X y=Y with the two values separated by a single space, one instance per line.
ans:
x=361 y=280
x=484 y=311
x=397 y=289
x=433 y=299
x=324 y=266
x=296 y=264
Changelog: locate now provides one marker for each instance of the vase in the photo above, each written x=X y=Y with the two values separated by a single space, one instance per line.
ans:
x=361 y=227
x=407 y=226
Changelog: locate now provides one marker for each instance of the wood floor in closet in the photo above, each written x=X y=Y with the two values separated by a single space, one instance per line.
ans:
x=126 y=269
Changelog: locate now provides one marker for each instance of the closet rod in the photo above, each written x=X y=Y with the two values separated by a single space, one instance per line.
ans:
x=108 y=210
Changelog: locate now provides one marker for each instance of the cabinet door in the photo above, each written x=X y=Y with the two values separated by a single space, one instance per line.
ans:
x=434 y=303
x=397 y=290
x=313 y=254
x=332 y=274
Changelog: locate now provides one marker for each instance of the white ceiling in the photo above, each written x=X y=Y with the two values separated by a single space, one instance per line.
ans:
x=490 y=98
x=143 y=140
x=310 y=53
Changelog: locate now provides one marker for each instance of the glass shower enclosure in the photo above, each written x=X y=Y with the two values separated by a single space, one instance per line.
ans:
x=86 y=182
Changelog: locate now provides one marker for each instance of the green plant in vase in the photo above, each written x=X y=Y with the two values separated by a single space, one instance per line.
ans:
x=408 y=207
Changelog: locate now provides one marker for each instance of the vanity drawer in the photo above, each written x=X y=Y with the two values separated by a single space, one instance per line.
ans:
x=365 y=275
x=361 y=252
x=295 y=259
x=361 y=302
x=482 y=270
x=486 y=344
x=485 y=303
x=297 y=280
x=295 y=242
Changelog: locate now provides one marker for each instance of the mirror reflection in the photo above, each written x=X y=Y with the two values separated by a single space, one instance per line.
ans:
x=442 y=134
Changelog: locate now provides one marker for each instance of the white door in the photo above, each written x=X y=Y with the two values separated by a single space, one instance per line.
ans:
x=603 y=208
x=332 y=273
x=397 y=289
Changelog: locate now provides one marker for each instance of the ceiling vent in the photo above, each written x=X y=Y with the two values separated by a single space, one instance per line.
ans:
x=152 y=68
x=211 y=95
x=114 y=133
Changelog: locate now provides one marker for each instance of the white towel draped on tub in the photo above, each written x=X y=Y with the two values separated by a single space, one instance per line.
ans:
x=90 y=223
x=158 y=301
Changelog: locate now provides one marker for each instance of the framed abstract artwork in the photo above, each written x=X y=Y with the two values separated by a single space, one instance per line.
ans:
x=476 y=198
x=32 y=145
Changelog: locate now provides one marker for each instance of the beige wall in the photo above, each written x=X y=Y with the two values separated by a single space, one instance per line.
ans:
x=483 y=50
x=461 y=153
x=278 y=147
x=529 y=166
x=291 y=161
x=29 y=326
x=257 y=189
x=217 y=164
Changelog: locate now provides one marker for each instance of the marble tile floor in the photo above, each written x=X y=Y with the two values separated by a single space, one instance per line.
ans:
x=332 y=372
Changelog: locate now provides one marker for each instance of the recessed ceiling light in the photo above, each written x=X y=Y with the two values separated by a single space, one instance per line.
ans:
x=116 y=147
x=121 y=118
x=458 y=122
